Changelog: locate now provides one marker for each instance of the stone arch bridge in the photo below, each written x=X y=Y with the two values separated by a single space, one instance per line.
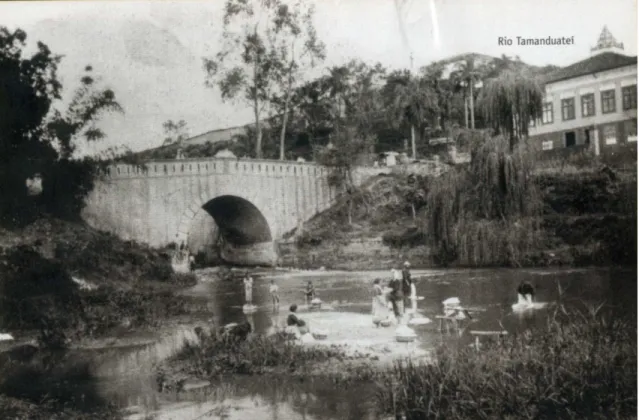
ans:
x=244 y=205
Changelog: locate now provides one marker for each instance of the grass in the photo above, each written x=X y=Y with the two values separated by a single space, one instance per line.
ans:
x=585 y=368
x=17 y=409
x=220 y=354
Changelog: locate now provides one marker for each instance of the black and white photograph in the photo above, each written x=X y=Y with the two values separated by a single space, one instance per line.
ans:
x=318 y=210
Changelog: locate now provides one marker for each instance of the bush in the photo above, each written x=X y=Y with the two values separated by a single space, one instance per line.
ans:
x=580 y=369
x=220 y=353
x=410 y=237
x=38 y=294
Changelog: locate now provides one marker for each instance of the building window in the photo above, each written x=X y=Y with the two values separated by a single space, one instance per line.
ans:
x=570 y=138
x=629 y=97
x=631 y=131
x=588 y=105
x=568 y=109
x=608 y=101
x=546 y=116
x=610 y=134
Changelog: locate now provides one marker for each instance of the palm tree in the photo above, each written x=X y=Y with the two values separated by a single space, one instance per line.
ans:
x=410 y=102
x=468 y=75
x=458 y=86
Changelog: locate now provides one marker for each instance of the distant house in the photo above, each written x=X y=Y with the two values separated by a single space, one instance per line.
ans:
x=389 y=158
x=591 y=104
x=225 y=153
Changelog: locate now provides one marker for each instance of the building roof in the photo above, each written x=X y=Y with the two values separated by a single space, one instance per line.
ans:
x=595 y=64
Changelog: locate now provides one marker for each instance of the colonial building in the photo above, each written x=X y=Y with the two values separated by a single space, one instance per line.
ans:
x=591 y=104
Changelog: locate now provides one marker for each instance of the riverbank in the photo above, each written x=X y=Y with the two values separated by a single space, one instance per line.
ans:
x=66 y=286
x=588 y=219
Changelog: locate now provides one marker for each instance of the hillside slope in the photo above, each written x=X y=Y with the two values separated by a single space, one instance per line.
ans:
x=589 y=218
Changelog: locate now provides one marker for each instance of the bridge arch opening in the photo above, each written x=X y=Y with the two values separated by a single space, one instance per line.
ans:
x=231 y=229
x=239 y=221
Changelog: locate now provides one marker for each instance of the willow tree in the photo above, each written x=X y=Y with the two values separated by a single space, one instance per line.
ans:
x=488 y=212
x=510 y=102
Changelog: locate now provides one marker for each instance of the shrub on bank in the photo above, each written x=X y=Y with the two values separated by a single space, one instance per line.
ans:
x=220 y=354
x=39 y=294
x=585 y=368
x=17 y=409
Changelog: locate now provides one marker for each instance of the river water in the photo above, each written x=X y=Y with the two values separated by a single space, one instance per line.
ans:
x=122 y=380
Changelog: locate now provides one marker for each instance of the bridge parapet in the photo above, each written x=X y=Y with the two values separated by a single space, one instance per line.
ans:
x=189 y=167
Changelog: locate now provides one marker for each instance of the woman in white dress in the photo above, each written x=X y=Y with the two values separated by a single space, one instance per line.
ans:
x=380 y=311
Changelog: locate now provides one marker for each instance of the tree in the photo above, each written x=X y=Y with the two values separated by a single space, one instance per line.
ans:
x=340 y=157
x=245 y=65
x=36 y=138
x=511 y=101
x=356 y=105
x=410 y=102
x=88 y=105
x=467 y=76
x=175 y=132
x=485 y=213
x=261 y=55
x=297 y=48
x=312 y=107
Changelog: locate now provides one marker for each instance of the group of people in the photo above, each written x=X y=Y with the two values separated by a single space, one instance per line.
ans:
x=309 y=291
x=400 y=291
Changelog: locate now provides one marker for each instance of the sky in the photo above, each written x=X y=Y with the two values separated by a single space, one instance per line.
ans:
x=151 y=53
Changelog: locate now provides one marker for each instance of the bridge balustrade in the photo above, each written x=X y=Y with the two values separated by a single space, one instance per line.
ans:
x=189 y=167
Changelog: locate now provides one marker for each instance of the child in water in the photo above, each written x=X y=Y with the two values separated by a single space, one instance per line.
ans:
x=274 y=290
x=248 y=289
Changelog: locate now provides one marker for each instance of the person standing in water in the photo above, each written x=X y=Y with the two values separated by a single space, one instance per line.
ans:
x=407 y=283
x=397 y=295
x=274 y=290
x=379 y=303
x=310 y=293
x=526 y=292
x=248 y=288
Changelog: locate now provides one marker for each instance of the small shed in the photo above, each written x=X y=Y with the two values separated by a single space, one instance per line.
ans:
x=225 y=153
x=389 y=158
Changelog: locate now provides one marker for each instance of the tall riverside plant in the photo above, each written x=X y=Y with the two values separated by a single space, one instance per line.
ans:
x=486 y=213
x=581 y=369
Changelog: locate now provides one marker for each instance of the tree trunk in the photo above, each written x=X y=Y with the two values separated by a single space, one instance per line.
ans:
x=287 y=102
x=258 y=130
x=412 y=208
x=284 y=122
x=466 y=112
x=412 y=140
x=472 y=106
x=256 y=111
x=350 y=210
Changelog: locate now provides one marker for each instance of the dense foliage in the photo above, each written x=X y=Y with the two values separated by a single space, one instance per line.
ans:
x=486 y=212
x=37 y=140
